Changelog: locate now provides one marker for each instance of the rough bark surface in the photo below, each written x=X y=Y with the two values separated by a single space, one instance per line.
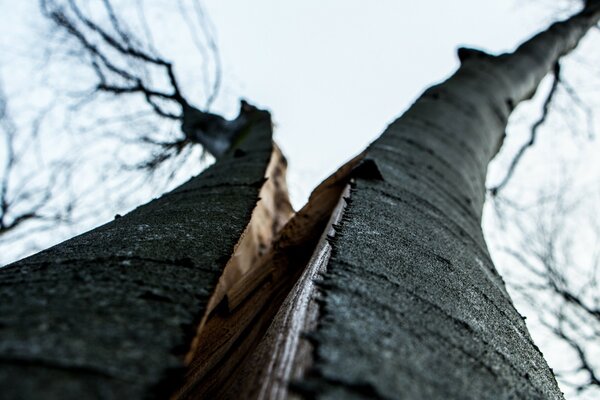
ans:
x=111 y=313
x=413 y=307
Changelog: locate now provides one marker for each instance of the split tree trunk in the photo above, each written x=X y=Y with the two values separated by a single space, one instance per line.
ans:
x=411 y=305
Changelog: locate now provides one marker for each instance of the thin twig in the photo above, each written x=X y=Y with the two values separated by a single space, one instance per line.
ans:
x=534 y=131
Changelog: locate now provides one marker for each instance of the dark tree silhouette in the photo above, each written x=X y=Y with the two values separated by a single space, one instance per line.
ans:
x=117 y=61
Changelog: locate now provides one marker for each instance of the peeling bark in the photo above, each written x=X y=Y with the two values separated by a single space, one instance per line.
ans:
x=283 y=356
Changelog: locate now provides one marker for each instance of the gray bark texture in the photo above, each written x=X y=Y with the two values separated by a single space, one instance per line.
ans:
x=412 y=306
x=111 y=313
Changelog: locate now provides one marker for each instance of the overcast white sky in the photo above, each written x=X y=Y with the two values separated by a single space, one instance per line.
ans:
x=335 y=73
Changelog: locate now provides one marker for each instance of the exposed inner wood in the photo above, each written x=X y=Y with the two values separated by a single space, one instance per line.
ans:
x=283 y=355
x=268 y=218
x=268 y=261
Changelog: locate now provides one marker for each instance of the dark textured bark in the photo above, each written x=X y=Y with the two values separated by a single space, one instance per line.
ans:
x=111 y=313
x=413 y=307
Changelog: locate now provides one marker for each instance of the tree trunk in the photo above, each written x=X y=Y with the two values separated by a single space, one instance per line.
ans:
x=412 y=306
x=111 y=313
x=410 y=303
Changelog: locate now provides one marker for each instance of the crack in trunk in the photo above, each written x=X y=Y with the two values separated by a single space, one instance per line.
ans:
x=271 y=257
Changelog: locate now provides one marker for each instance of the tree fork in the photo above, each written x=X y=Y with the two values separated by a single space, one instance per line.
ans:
x=210 y=279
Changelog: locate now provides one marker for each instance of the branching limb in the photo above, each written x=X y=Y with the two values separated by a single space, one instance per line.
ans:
x=123 y=66
x=534 y=131
x=560 y=283
x=583 y=357
x=28 y=199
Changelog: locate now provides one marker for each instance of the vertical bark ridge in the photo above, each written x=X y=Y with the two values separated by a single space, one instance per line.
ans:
x=412 y=305
x=111 y=313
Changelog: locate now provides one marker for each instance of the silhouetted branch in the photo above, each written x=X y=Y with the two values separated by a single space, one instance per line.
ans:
x=22 y=197
x=129 y=82
x=589 y=114
x=206 y=25
x=561 y=283
x=123 y=65
x=584 y=363
x=534 y=131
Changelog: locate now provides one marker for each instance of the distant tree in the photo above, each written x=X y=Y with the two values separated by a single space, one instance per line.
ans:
x=126 y=100
x=124 y=64
x=553 y=267
x=27 y=192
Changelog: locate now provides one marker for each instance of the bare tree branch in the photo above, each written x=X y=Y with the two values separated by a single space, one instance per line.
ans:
x=534 y=131
x=560 y=286
x=576 y=99
x=112 y=55
x=29 y=199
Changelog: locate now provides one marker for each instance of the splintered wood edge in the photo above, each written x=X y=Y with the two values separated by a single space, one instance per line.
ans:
x=319 y=207
x=227 y=334
x=273 y=210
x=283 y=354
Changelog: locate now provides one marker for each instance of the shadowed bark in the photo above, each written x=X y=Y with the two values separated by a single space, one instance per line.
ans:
x=111 y=313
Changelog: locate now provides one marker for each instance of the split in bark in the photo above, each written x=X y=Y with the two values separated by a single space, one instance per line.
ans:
x=242 y=309
x=412 y=306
